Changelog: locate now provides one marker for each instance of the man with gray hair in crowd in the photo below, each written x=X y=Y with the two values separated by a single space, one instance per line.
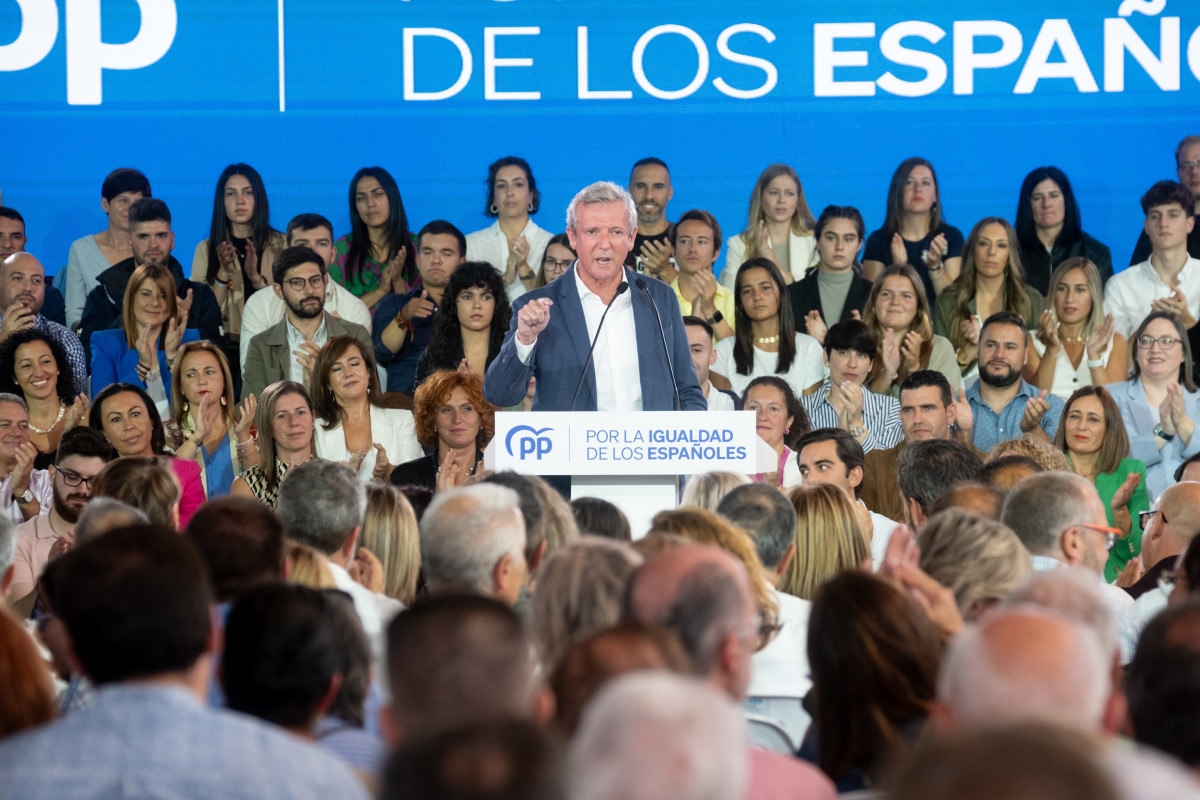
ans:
x=928 y=469
x=1060 y=519
x=473 y=540
x=322 y=504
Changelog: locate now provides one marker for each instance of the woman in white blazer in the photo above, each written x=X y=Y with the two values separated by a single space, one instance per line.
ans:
x=779 y=227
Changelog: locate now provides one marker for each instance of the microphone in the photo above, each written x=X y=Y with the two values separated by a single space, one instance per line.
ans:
x=641 y=284
x=621 y=289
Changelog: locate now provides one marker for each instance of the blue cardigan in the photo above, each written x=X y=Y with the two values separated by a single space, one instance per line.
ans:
x=113 y=361
x=1140 y=420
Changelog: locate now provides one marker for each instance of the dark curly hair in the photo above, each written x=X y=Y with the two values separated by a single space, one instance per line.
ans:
x=800 y=423
x=445 y=348
x=436 y=390
x=64 y=388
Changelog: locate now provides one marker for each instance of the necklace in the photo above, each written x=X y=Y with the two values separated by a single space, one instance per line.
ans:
x=1070 y=339
x=62 y=409
x=766 y=339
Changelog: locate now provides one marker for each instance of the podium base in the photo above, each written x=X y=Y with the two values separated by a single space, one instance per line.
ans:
x=640 y=497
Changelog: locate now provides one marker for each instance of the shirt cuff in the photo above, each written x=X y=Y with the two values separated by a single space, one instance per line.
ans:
x=524 y=351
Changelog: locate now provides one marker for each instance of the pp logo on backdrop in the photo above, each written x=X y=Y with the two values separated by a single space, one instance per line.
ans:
x=531 y=443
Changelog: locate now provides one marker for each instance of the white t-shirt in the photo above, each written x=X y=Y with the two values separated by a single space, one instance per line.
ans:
x=808 y=367
x=718 y=400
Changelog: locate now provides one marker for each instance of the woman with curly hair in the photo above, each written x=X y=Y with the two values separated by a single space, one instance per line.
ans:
x=34 y=366
x=454 y=423
x=470 y=324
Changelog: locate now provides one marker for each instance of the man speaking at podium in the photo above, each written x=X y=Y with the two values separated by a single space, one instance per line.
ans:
x=601 y=337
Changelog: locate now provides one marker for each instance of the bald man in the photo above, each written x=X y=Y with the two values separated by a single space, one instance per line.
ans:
x=1173 y=524
x=22 y=294
x=703 y=593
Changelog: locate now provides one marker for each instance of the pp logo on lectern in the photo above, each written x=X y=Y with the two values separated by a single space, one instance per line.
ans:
x=530 y=442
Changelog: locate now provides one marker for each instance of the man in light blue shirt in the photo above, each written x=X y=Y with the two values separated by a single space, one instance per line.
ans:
x=134 y=608
x=1003 y=405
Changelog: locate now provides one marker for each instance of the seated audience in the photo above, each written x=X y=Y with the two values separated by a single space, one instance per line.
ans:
x=150 y=224
x=1050 y=230
x=843 y=400
x=829 y=539
x=25 y=490
x=104 y=514
x=146 y=484
x=595 y=516
x=1093 y=438
x=765 y=340
x=267 y=309
x=511 y=244
x=288 y=349
x=835 y=291
x=1168 y=529
x=389 y=532
x=377 y=256
x=343 y=731
x=875 y=658
x=707 y=489
x=1162 y=685
x=704 y=355
x=28 y=688
x=992 y=281
x=1075 y=345
x=1187 y=168
x=580 y=590
x=1159 y=403
x=974 y=497
x=128 y=418
x=1169 y=278
x=34 y=366
x=149 y=699
x=455 y=422
x=24 y=303
x=404 y=322
x=556 y=260
x=696 y=242
x=1041 y=452
x=1001 y=473
x=779 y=228
x=143 y=349
x=915 y=232
x=93 y=254
x=928 y=469
x=285 y=422
x=1004 y=405
x=469 y=325
x=354 y=417
x=780 y=421
x=241 y=543
x=897 y=313
x=978 y=559
x=216 y=433
x=549 y=522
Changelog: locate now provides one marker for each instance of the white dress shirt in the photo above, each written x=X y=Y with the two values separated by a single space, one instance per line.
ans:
x=1129 y=293
x=1068 y=378
x=265 y=309
x=808 y=367
x=295 y=338
x=718 y=400
x=615 y=359
x=491 y=245
x=41 y=485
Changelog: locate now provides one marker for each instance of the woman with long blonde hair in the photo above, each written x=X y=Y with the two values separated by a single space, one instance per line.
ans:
x=779 y=227
x=829 y=539
x=389 y=531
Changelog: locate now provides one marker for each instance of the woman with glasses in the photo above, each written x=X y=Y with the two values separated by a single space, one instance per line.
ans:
x=1160 y=404
x=557 y=259
x=1093 y=438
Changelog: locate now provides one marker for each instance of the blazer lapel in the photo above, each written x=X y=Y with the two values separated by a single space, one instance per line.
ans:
x=567 y=299
x=1138 y=406
x=651 y=370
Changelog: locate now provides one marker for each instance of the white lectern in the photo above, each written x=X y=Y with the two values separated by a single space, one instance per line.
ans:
x=633 y=460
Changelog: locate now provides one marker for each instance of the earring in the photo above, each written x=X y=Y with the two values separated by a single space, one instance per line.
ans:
x=529 y=208
x=222 y=401
x=185 y=406
x=786 y=431
x=495 y=209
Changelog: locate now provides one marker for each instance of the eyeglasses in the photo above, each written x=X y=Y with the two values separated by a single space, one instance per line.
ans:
x=555 y=264
x=1111 y=534
x=1144 y=517
x=1189 y=165
x=298 y=284
x=74 y=478
x=1164 y=342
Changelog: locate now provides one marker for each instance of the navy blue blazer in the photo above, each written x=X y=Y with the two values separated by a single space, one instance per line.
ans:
x=561 y=349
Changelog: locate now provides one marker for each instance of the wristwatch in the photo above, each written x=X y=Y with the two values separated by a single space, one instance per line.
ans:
x=1158 y=431
x=715 y=318
x=27 y=497
x=858 y=430
x=400 y=321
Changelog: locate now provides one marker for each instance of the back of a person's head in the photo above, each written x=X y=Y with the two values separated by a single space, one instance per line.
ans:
x=874 y=657
x=1162 y=683
x=829 y=538
x=1025 y=663
x=466 y=532
x=707 y=489
x=595 y=516
x=307 y=567
x=321 y=503
x=25 y=676
x=1025 y=761
x=1042 y=506
x=1004 y=472
x=457 y=659
x=1039 y=451
x=978 y=559
x=281 y=653
x=529 y=499
x=147 y=484
x=593 y=661
x=580 y=590
x=765 y=513
x=496 y=760
x=241 y=542
x=135 y=602
x=554 y=522
x=103 y=514
x=655 y=734
x=389 y=531
x=354 y=660
x=928 y=469
x=974 y=497
x=1074 y=594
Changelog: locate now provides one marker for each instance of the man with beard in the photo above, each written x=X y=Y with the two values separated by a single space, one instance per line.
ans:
x=650 y=185
x=1003 y=405
x=287 y=350
x=82 y=453
x=22 y=295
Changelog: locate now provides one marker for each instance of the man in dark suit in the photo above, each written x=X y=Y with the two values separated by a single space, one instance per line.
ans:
x=552 y=328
